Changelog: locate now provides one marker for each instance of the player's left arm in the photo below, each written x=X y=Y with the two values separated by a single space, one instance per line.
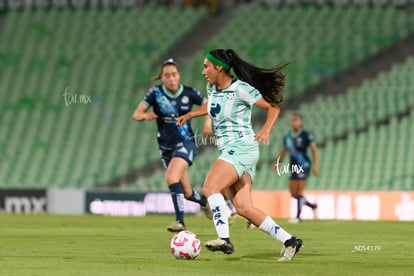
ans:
x=199 y=99
x=315 y=156
x=273 y=110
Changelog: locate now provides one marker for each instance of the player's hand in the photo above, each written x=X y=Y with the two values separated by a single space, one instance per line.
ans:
x=262 y=137
x=315 y=171
x=149 y=116
x=182 y=119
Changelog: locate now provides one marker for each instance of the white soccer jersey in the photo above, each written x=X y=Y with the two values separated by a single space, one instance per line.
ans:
x=230 y=110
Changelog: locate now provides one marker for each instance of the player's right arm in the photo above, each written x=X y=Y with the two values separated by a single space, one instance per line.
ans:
x=140 y=113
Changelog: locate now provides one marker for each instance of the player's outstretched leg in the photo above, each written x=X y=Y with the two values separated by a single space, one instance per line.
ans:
x=291 y=244
x=244 y=205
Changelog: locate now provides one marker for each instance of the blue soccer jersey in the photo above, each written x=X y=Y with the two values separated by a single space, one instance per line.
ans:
x=297 y=146
x=169 y=107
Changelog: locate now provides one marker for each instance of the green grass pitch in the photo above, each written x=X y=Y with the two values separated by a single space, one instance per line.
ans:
x=97 y=245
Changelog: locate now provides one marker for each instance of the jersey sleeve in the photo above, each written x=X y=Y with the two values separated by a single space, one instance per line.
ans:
x=249 y=94
x=149 y=98
x=309 y=138
x=196 y=97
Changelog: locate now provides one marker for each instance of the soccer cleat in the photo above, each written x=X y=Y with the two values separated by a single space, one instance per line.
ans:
x=220 y=245
x=207 y=211
x=292 y=246
x=250 y=225
x=176 y=226
x=294 y=220
x=232 y=218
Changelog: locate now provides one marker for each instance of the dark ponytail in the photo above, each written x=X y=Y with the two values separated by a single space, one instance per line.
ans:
x=269 y=81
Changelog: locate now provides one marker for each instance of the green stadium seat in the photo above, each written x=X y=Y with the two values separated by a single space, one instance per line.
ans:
x=328 y=39
x=110 y=55
x=105 y=54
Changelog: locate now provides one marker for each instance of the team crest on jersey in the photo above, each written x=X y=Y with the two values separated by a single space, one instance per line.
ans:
x=230 y=96
x=214 y=109
x=185 y=100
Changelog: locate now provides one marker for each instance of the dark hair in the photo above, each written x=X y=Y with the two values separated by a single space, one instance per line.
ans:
x=269 y=81
x=169 y=61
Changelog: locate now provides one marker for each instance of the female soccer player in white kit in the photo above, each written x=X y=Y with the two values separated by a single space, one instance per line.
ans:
x=229 y=105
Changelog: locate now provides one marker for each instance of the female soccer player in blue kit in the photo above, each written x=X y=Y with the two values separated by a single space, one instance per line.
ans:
x=296 y=144
x=177 y=144
x=230 y=101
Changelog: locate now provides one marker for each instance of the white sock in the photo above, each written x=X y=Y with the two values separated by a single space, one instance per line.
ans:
x=221 y=222
x=274 y=230
x=231 y=207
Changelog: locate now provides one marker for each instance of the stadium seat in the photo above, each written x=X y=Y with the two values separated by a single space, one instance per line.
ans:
x=110 y=55
x=316 y=41
x=106 y=54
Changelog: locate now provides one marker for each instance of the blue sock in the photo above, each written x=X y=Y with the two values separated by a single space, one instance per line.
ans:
x=307 y=203
x=197 y=197
x=177 y=196
x=301 y=201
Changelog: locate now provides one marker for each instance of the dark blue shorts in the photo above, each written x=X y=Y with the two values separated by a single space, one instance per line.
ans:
x=186 y=150
x=300 y=174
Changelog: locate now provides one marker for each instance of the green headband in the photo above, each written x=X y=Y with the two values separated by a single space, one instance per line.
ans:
x=216 y=61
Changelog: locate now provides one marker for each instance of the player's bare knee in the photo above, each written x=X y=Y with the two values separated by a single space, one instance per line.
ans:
x=171 y=178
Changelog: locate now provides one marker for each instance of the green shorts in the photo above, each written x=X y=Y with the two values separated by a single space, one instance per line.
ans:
x=243 y=157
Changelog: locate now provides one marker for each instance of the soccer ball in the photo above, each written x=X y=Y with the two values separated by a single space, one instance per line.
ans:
x=185 y=245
